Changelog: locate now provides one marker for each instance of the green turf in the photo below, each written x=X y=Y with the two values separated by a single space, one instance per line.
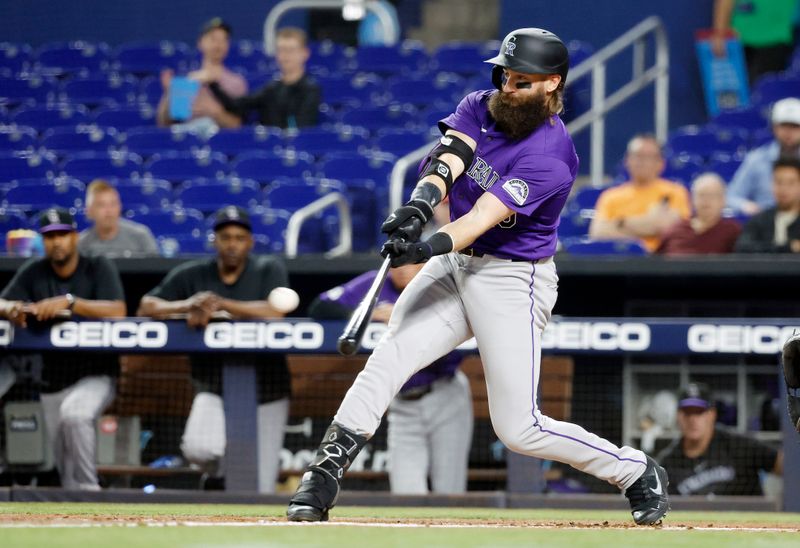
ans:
x=372 y=537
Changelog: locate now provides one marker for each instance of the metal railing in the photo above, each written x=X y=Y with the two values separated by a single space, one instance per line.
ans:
x=601 y=103
x=300 y=216
x=390 y=34
x=641 y=78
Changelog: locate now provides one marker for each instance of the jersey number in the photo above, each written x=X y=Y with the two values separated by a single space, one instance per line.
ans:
x=508 y=222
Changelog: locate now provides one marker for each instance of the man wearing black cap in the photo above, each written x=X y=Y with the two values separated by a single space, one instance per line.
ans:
x=707 y=460
x=213 y=43
x=66 y=282
x=235 y=285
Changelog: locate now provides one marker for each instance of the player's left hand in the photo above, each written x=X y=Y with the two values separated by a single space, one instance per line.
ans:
x=403 y=253
x=46 y=309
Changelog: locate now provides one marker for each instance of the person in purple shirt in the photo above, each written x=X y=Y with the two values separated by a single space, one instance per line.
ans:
x=430 y=420
x=507 y=164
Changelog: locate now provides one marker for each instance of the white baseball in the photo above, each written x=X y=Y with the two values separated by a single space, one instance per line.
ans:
x=283 y=299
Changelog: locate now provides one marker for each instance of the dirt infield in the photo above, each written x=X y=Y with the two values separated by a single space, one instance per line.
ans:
x=26 y=520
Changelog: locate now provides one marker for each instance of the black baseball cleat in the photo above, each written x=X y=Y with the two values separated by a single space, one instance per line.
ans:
x=316 y=495
x=648 y=495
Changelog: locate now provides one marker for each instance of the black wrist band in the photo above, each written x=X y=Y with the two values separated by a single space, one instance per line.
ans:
x=440 y=243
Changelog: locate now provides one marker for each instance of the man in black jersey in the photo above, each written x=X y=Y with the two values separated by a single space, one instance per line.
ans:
x=707 y=460
x=236 y=285
x=76 y=388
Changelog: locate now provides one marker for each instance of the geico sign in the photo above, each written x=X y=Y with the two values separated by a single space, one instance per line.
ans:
x=604 y=336
x=277 y=335
x=109 y=335
x=738 y=339
x=6 y=333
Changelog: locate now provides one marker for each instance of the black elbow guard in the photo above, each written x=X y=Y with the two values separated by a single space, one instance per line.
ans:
x=448 y=144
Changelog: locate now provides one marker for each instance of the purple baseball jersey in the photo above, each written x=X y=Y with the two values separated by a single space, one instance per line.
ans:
x=351 y=293
x=532 y=176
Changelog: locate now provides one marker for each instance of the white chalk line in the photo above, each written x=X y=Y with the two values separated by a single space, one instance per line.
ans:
x=402 y=525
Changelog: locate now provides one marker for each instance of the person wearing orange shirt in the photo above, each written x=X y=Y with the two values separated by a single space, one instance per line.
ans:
x=646 y=205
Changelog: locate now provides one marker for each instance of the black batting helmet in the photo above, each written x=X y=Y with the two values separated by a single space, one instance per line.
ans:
x=531 y=51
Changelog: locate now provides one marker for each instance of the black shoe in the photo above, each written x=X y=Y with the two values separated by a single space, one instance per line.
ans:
x=316 y=495
x=648 y=495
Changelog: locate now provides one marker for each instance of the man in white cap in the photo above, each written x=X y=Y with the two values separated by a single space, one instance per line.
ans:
x=750 y=190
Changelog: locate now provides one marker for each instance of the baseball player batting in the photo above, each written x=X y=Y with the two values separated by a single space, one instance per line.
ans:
x=508 y=164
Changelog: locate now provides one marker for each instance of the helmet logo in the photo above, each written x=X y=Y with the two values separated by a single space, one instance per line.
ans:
x=511 y=46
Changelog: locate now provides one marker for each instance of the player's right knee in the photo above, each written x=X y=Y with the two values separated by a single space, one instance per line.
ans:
x=204 y=436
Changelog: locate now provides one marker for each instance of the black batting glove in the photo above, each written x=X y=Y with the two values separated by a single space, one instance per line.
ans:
x=406 y=221
x=403 y=253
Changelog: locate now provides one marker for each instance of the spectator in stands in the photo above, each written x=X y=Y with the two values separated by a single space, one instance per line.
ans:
x=236 y=285
x=777 y=230
x=706 y=232
x=750 y=190
x=430 y=420
x=645 y=206
x=214 y=42
x=708 y=460
x=78 y=389
x=292 y=101
x=112 y=235
x=765 y=28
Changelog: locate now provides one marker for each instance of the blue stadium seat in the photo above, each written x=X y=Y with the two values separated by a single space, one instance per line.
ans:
x=761 y=137
x=233 y=142
x=367 y=202
x=16 y=165
x=153 y=194
x=172 y=223
x=683 y=168
x=706 y=141
x=725 y=165
x=321 y=141
x=185 y=244
x=400 y=142
x=584 y=198
x=17 y=138
x=147 y=141
x=151 y=57
x=421 y=92
x=150 y=90
x=31 y=90
x=91 y=165
x=182 y=166
x=356 y=90
x=249 y=56
x=269 y=227
x=573 y=225
x=265 y=167
x=209 y=196
x=433 y=114
x=327 y=57
x=773 y=87
x=604 y=247
x=390 y=60
x=72 y=57
x=112 y=89
x=750 y=119
x=375 y=118
x=124 y=118
x=84 y=138
x=343 y=166
x=461 y=57
x=292 y=194
x=11 y=218
x=48 y=117
x=15 y=57
x=63 y=192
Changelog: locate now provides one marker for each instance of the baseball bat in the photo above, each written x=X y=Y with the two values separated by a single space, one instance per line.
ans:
x=351 y=337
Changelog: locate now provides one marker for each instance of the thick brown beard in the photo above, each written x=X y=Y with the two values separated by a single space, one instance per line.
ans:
x=517 y=117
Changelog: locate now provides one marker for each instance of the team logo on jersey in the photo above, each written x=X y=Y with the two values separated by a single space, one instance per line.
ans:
x=511 y=46
x=517 y=189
